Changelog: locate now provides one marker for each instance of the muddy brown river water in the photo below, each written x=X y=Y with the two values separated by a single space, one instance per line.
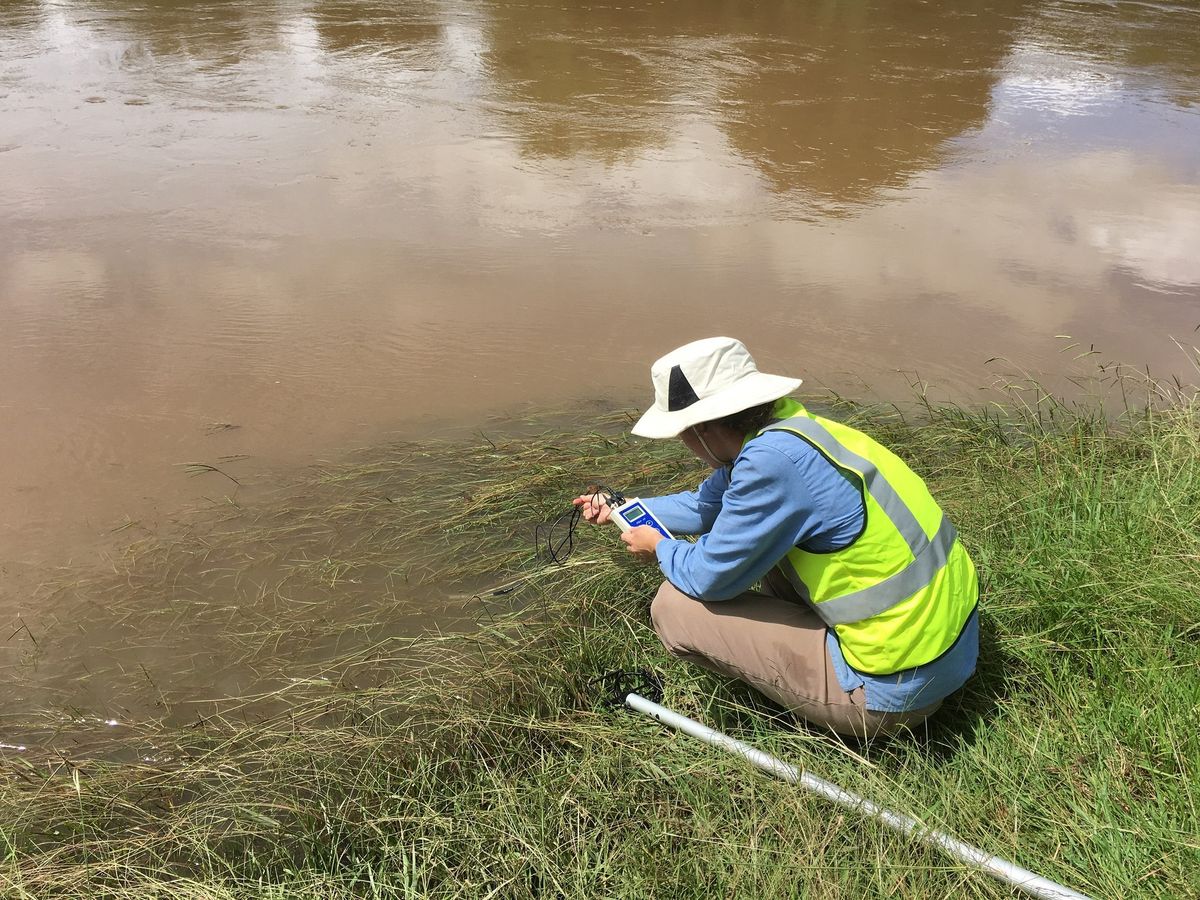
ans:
x=252 y=235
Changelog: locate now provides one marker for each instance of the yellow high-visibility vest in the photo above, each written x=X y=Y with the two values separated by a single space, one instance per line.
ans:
x=899 y=595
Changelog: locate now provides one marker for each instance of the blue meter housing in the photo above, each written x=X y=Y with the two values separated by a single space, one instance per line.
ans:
x=634 y=513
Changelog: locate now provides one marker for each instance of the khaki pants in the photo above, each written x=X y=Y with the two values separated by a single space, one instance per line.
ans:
x=773 y=641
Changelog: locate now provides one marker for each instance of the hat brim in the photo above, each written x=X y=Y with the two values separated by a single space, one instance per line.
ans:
x=752 y=390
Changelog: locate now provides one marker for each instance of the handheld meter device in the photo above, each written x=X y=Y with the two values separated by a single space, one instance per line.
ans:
x=633 y=513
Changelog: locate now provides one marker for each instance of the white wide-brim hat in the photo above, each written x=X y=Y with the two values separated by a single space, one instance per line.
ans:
x=706 y=380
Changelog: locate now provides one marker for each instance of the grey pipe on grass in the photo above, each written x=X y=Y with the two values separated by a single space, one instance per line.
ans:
x=1027 y=881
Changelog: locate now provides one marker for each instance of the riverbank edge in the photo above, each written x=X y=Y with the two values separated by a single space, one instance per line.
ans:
x=496 y=772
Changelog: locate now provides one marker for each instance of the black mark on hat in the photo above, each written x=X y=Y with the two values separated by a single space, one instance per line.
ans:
x=680 y=394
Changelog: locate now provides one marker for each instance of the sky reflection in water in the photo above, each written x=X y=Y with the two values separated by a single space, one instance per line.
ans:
x=326 y=221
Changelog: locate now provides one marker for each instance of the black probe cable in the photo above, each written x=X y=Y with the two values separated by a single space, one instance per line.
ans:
x=559 y=546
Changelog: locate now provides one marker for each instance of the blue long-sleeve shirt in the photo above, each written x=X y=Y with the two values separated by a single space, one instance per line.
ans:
x=781 y=493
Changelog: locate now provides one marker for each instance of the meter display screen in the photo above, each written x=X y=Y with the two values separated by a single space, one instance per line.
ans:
x=636 y=514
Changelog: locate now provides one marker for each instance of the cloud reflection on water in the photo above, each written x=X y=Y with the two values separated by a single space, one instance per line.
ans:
x=247 y=213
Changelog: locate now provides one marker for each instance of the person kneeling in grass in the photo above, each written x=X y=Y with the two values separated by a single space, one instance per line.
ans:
x=824 y=575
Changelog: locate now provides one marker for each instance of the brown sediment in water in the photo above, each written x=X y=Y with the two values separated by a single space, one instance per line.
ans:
x=323 y=223
x=344 y=575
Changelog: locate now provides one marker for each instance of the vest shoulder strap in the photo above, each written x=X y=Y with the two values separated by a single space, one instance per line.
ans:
x=876 y=484
x=929 y=555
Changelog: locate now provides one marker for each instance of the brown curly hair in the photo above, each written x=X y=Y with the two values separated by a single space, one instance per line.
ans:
x=749 y=421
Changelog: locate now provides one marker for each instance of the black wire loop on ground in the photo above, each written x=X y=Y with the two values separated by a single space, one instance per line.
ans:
x=613 y=687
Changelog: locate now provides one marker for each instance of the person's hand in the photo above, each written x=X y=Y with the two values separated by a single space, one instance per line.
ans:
x=642 y=542
x=594 y=507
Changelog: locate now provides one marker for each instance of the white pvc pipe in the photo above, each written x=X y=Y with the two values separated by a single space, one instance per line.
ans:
x=1027 y=881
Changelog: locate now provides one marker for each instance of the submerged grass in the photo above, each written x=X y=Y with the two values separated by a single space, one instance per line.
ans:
x=479 y=763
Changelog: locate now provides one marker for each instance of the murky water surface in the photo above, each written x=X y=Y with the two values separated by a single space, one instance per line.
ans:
x=251 y=234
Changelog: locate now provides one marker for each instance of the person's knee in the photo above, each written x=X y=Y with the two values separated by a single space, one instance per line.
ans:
x=668 y=611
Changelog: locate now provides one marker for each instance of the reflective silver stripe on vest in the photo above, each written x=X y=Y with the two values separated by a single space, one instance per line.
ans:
x=928 y=556
x=878 y=487
x=885 y=594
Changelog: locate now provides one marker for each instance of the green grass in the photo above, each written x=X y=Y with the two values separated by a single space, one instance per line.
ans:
x=364 y=762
